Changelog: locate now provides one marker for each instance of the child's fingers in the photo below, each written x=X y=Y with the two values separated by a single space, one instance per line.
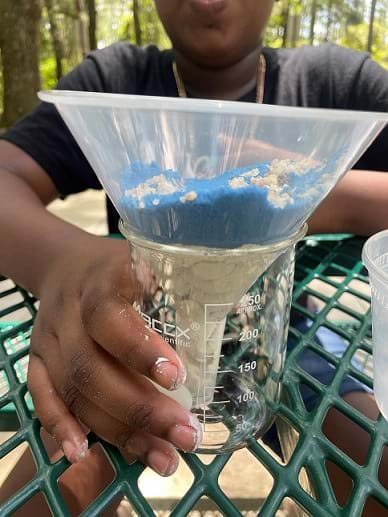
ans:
x=132 y=442
x=128 y=340
x=53 y=414
x=91 y=375
x=68 y=433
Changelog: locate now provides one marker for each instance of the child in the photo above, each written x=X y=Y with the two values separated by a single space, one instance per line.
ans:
x=82 y=280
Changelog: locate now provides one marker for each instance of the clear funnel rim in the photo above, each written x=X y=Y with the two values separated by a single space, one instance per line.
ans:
x=214 y=252
x=205 y=106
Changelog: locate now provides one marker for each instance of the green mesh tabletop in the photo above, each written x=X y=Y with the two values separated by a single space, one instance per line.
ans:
x=330 y=271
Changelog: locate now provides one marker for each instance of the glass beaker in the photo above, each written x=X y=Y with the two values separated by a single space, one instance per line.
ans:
x=226 y=313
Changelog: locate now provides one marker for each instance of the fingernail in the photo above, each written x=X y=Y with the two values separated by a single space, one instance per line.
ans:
x=186 y=437
x=168 y=374
x=84 y=428
x=75 y=451
x=162 y=463
x=129 y=458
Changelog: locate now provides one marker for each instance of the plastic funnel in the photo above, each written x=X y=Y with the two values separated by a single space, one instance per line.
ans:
x=375 y=258
x=210 y=173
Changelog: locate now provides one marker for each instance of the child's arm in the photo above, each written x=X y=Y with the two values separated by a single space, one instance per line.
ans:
x=358 y=204
x=88 y=354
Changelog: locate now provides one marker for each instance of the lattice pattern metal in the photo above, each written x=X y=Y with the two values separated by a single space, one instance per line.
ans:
x=330 y=271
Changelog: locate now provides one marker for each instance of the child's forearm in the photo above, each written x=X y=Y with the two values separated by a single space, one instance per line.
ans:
x=30 y=237
x=358 y=204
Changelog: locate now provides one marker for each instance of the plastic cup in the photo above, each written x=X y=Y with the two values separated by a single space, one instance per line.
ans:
x=375 y=258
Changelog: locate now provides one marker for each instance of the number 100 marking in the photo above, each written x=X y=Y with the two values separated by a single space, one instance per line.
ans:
x=246 y=397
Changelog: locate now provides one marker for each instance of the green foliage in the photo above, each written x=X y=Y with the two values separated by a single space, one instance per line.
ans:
x=275 y=29
x=48 y=72
x=344 y=22
x=117 y=23
x=355 y=36
x=380 y=44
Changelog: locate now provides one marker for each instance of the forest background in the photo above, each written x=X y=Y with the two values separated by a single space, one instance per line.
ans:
x=41 y=40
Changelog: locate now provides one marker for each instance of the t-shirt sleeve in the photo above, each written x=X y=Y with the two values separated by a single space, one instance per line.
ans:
x=371 y=94
x=334 y=77
x=44 y=136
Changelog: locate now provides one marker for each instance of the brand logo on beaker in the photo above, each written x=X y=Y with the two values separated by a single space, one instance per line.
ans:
x=162 y=327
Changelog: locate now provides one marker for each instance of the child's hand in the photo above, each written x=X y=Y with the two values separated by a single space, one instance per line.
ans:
x=90 y=356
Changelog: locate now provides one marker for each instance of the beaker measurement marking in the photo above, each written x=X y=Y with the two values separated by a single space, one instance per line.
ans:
x=246 y=397
x=213 y=332
x=244 y=426
x=246 y=335
x=218 y=304
x=214 y=387
x=223 y=371
x=248 y=366
x=250 y=303
x=217 y=431
x=220 y=402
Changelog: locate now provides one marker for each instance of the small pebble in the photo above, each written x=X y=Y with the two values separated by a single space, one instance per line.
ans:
x=190 y=196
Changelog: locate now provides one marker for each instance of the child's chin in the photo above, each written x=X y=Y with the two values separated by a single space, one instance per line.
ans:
x=215 y=53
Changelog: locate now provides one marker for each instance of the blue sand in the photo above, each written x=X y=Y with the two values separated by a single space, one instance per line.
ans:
x=220 y=216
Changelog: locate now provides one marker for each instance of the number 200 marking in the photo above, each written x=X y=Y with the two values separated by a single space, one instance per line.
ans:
x=245 y=335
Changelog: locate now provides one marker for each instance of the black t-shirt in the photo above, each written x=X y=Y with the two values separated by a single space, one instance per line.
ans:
x=327 y=77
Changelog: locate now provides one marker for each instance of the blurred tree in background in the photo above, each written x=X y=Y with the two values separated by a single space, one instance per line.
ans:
x=19 y=45
x=41 y=40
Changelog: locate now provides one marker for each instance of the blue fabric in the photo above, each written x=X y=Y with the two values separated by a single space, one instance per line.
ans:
x=318 y=368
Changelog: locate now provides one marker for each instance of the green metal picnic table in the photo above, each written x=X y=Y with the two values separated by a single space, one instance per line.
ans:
x=330 y=271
